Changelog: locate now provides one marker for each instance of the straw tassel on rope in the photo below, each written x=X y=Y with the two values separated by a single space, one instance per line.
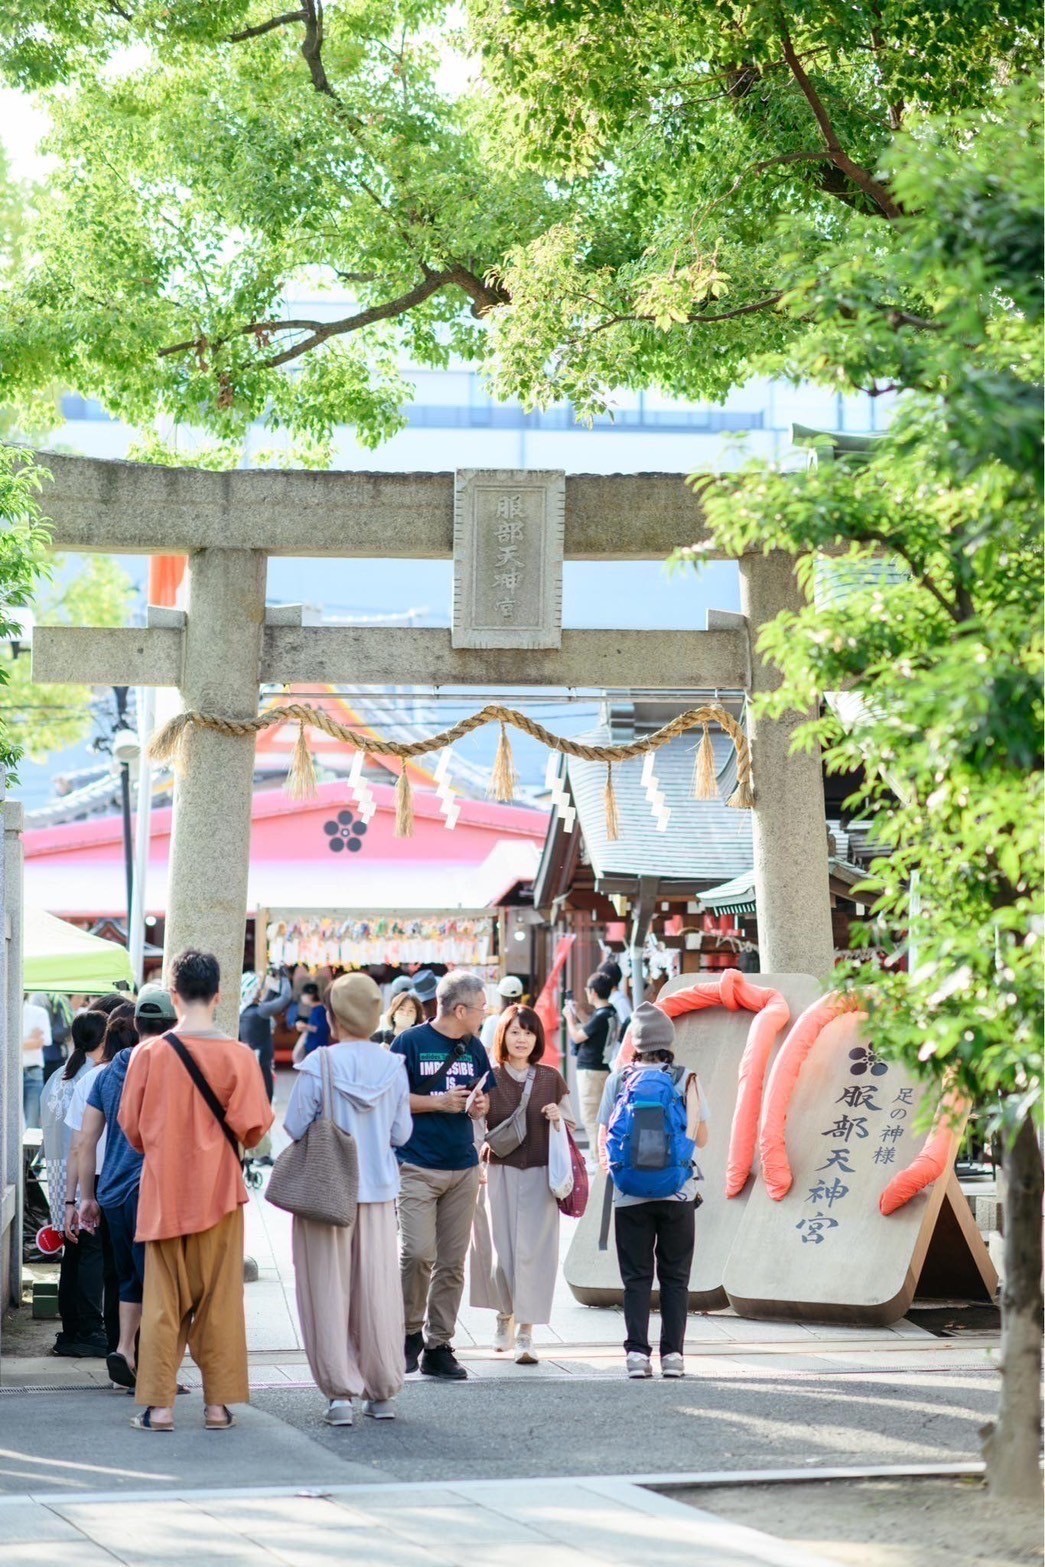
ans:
x=301 y=778
x=610 y=804
x=167 y=748
x=404 y=826
x=504 y=780
x=742 y=798
x=705 y=779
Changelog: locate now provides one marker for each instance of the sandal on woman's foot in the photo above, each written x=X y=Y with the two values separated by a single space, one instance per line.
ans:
x=143 y=1422
x=120 y=1370
x=209 y=1424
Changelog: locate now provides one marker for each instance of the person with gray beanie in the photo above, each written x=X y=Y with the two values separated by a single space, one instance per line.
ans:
x=652 y=1117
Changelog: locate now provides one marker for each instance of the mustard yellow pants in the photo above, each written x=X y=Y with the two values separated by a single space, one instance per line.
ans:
x=194 y=1296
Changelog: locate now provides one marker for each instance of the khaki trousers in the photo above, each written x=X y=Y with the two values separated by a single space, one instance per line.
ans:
x=350 y=1303
x=590 y=1088
x=436 y=1208
x=194 y=1295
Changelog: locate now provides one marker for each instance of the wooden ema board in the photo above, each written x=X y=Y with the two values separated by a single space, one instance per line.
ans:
x=825 y=1253
x=712 y=1043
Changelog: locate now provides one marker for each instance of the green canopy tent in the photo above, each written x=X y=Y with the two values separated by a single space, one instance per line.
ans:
x=56 y=956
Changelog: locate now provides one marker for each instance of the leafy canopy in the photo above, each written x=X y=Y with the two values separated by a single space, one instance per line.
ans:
x=602 y=192
x=938 y=665
x=43 y=719
x=23 y=561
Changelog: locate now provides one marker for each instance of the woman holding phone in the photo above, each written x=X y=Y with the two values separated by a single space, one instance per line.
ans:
x=524 y=1216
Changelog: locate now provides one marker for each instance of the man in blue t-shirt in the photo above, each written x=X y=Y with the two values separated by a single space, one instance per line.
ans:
x=450 y=1077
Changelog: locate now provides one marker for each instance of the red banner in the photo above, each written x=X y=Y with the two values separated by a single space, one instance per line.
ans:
x=547 y=1004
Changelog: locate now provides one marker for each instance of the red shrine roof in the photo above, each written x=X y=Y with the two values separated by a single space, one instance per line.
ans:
x=309 y=855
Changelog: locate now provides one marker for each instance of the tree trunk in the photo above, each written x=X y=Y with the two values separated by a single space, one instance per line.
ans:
x=1011 y=1445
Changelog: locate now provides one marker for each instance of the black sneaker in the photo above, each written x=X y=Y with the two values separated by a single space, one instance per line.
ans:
x=442 y=1362
x=92 y=1349
x=415 y=1343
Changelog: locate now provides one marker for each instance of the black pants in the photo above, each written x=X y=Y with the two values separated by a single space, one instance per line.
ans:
x=648 y=1235
x=266 y=1055
x=80 y=1290
x=110 y=1287
x=88 y=1290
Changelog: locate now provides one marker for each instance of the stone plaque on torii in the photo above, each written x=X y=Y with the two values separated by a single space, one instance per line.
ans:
x=227 y=645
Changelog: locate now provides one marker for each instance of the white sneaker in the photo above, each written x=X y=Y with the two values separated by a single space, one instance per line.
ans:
x=524 y=1353
x=502 y=1337
x=380 y=1408
x=672 y=1366
x=638 y=1366
x=339 y=1412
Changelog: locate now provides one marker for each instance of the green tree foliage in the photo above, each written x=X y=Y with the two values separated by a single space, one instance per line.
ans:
x=715 y=148
x=23 y=561
x=939 y=674
x=47 y=718
x=214 y=160
x=947 y=661
x=619 y=190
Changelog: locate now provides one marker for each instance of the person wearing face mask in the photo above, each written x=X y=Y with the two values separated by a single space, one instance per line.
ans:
x=524 y=1216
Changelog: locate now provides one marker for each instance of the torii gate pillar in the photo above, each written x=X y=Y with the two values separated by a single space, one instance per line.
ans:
x=789 y=833
x=210 y=847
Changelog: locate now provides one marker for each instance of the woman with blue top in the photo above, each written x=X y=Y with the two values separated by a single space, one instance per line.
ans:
x=347 y=1280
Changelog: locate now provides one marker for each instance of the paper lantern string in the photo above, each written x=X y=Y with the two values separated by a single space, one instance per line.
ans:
x=170 y=747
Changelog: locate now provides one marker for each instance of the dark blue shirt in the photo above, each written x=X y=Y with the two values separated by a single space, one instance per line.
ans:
x=122 y=1166
x=319 y=1029
x=441 y=1140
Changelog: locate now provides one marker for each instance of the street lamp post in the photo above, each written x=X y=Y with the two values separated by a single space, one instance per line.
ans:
x=126 y=749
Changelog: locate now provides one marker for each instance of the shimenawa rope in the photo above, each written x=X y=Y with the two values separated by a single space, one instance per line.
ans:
x=168 y=747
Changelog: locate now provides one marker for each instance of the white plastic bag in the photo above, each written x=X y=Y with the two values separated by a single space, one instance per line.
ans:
x=560 y=1165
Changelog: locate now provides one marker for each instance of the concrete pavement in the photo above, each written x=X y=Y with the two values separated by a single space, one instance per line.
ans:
x=461 y=1476
x=608 y=1523
x=79 y=1441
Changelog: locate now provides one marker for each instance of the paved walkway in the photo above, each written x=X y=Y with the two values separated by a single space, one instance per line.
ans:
x=556 y=1523
x=580 y=1340
x=81 y=1488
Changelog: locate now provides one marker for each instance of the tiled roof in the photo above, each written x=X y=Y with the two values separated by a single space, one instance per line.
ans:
x=705 y=841
x=737 y=896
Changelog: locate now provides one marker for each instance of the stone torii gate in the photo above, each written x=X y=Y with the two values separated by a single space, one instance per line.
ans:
x=507 y=532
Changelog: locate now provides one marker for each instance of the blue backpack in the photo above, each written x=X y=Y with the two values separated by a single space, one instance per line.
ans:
x=650 y=1155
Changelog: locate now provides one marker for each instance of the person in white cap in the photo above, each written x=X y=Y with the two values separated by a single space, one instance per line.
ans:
x=509 y=991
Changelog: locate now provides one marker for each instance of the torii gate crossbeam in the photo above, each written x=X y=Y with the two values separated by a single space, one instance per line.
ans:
x=226 y=646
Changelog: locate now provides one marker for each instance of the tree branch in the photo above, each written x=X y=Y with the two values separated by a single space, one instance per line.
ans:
x=254 y=327
x=312 y=49
x=860 y=176
x=730 y=315
x=484 y=296
x=430 y=284
x=953 y=610
x=268 y=27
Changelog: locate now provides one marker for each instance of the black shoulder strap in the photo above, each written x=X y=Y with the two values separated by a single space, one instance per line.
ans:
x=436 y=1081
x=607 y=1214
x=211 y=1099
